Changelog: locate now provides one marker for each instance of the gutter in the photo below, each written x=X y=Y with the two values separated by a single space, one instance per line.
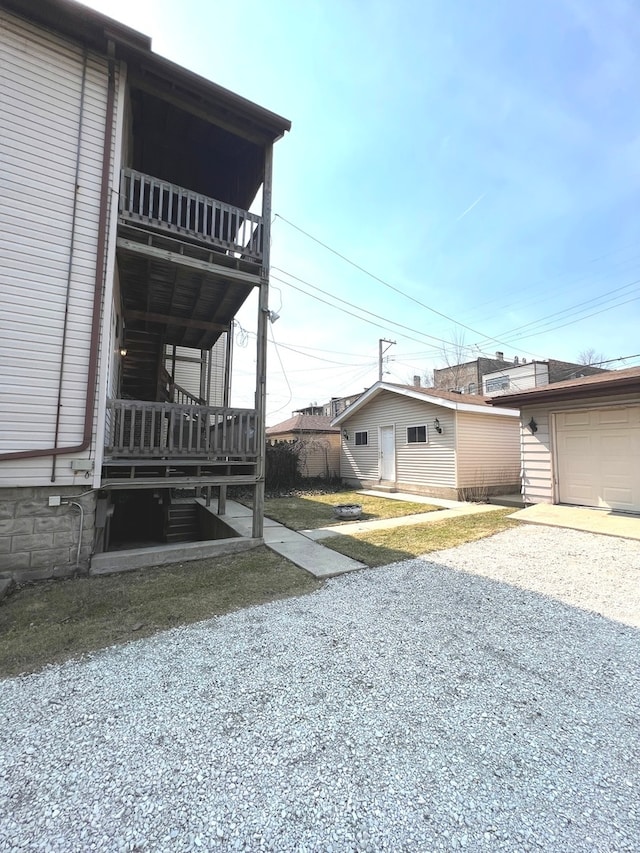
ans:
x=97 y=293
x=555 y=395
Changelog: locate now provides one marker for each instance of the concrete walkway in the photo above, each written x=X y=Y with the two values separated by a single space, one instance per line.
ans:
x=350 y=527
x=303 y=548
x=601 y=521
x=296 y=547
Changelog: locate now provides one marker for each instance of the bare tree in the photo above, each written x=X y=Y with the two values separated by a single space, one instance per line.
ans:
x=591 y=356
x=454 y=355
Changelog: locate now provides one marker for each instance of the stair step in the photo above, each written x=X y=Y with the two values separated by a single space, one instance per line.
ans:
x=179 y=537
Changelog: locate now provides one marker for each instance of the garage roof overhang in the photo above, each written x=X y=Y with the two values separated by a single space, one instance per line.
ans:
x=601 y=385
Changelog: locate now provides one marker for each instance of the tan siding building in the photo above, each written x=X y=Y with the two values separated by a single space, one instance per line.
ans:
x=580 y=441
x=430 y=442
x=318 y=444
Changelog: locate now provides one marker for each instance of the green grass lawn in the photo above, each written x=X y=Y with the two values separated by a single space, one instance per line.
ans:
x=53 y=621
x=313 y=511
x=379 y=547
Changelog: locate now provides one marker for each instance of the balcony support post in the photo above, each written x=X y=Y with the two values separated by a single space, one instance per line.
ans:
x=261 y=358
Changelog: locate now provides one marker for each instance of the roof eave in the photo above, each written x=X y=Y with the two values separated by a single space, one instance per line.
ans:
x=374 y=390
x=552 y=395
x=96 y=30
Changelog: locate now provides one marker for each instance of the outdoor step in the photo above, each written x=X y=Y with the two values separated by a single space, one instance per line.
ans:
x=182 y=537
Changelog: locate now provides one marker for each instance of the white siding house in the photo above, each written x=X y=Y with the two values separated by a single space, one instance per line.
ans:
x=523 y=375
x=428 y=441
x=53 y=100
x=580 y=441
x=115 y=251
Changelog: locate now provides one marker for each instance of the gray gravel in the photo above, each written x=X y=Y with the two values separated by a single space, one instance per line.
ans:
x=487 y=698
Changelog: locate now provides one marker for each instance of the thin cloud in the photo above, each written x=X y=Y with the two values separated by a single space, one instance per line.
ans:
x=471 y=206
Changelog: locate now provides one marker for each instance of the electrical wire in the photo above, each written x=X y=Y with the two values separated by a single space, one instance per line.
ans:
x=387 y=284
x=382 y=281
x=284 y=373
x=577 y=307
x=578 y=320
x=357 y=307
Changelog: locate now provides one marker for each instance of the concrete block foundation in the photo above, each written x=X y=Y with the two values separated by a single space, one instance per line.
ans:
x=38 y=541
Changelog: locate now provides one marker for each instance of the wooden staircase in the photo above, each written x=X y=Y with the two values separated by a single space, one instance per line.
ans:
x=181 y=522
x=141 y=364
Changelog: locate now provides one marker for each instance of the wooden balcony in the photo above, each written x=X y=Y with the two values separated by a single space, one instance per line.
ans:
x=139 y=431
x=167 y=208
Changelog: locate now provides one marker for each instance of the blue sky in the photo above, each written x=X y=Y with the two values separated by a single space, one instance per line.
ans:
x=483 y=158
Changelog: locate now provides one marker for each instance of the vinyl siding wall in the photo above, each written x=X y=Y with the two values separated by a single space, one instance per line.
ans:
x=532 y=374
x=537 y=449
x=424 y=466
x=488 y=451
x=319 y=453
x=40 y=103
x=187 y=373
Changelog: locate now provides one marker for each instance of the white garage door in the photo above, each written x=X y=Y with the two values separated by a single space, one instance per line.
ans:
x=598 y=457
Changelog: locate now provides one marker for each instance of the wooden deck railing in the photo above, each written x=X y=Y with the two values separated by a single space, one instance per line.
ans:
x=180 y=395
x=137 y=429
x=168 y=207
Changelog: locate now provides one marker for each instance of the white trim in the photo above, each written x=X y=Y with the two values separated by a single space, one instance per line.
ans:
x=361 y=443
x=473 y=408
x=107 y=295
x=392 y=427
x=553 y=452
x=424 y=426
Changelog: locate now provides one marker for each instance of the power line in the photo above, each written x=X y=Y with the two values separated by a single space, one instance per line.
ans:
x=357 y=307
x=578 y=320
x=344 y=311
x=387 y=284
x=433 y=310
x=284 y=374
x=540 y=293
x=572 y=308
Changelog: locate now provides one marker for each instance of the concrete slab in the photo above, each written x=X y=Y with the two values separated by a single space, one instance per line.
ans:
x=507 y=500
x=420 y=499
x=605 y=522
x=236 y=510
x=315 y=559
x=111 y=562
x=351 y=527
x=280 y=533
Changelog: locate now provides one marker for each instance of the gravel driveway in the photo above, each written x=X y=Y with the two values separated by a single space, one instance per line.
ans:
x=487 y=698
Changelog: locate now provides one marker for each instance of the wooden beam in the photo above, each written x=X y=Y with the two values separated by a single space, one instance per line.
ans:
x=226 y=273
x=169 y=320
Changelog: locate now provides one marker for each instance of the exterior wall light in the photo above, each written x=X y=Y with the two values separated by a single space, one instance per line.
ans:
x=533 y=426
x=436 y=426
x=345 y=435
x=123 y=351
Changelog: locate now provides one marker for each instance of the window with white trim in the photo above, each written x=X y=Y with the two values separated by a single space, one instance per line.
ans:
x=362 y=438
x=498 y=383
x=417 y=434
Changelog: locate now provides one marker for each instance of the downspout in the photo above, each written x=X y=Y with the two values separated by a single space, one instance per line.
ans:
x=98 y=286
x=65 y=326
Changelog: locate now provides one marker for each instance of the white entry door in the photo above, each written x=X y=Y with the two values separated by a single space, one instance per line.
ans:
x=598 y=457
x=387 y=453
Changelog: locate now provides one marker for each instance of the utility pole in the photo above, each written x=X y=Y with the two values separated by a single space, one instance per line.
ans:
x=381 y=352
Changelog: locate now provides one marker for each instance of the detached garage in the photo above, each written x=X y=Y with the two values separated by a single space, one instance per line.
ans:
x=429 y=441
x=580 y=441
